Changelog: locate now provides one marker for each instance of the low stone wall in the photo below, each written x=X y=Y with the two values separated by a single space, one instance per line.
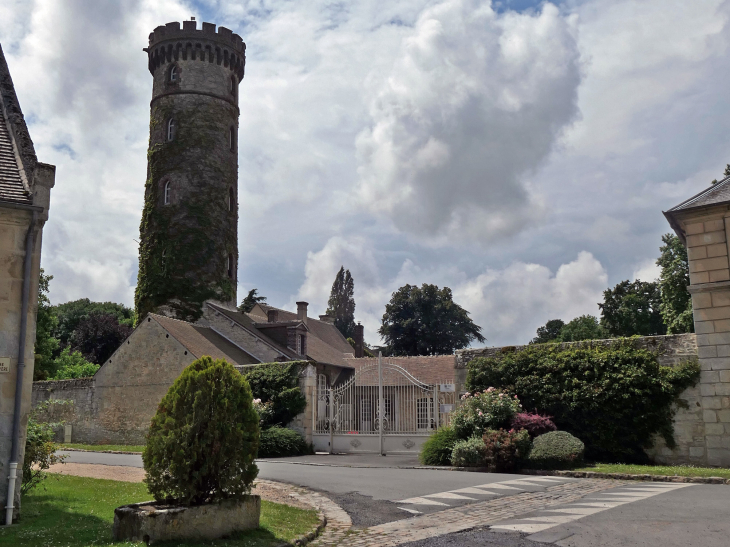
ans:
x=672 y=349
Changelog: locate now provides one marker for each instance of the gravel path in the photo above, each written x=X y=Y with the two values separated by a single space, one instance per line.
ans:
x=268 y=490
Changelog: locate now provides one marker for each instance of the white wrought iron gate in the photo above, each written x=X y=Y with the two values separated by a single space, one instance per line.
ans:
x=382 y=409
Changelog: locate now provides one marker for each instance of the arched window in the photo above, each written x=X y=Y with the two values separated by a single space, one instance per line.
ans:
x=167 y=193
x=231 y=200
x=171 y=129
x=232 y=139
x=173 y=73
x=230 y=265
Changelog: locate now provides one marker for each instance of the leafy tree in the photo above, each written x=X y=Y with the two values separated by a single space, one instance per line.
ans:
x=277 y=384
x=341 y=304
x=250 y=301
x=632 y=309
x=676 y=303
x=46 y=322
x=426 y=321
x=71 y=364
x=40 y=450
x=98 y=335
x=585 y=327
x=72 y=313
x=549 y=332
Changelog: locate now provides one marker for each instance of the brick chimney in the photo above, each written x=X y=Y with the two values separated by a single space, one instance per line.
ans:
x=302 y=311
x=272 y=316
x=359 y=340
x=327 y=319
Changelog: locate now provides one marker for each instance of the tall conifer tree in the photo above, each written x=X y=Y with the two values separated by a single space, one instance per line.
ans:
x=341 y=304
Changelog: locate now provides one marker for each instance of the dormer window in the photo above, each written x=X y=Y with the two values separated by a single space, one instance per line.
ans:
x=173 y=73
x=170 y=129
x=167 y=193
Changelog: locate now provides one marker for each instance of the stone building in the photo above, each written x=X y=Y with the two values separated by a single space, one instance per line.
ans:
x=702 y=223
x=25 y=188
x=188 y=250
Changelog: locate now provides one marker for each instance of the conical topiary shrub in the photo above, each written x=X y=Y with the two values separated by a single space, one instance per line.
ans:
x=203 y=440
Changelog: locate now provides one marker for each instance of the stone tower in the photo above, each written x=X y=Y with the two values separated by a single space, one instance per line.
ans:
x=188 y=251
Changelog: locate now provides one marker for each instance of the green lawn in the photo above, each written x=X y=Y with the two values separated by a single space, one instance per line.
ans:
x=103 y=447
x=68 y=511
x=671 y=470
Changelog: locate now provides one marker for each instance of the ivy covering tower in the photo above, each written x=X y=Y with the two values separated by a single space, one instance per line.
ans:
x=188 y=235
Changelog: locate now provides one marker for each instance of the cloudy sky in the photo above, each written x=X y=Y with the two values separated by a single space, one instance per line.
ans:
x=519 y=152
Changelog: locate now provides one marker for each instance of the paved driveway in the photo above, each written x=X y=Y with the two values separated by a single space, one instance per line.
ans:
x=388 y=497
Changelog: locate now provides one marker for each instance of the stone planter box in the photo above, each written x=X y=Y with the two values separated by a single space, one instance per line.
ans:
x=152 y=522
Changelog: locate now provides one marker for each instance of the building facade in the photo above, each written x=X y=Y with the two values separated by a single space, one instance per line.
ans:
x=188 y=250
x=25 y=187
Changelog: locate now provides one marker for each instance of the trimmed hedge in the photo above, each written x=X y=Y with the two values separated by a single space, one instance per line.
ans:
x=438 y=447
x=615 y=398
x=281 y=442
x=468 y=453
x=203 y=440
x=556 y=450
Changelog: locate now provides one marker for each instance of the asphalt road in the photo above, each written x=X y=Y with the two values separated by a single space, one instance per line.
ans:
x=372 y=489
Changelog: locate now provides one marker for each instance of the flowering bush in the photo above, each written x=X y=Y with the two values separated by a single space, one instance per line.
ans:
x=264 y=410
x=468 y=453
x=479 y=411
x=503 y=450
x=535 y=424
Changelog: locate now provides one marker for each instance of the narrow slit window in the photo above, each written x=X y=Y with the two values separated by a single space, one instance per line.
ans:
x=164 y=255
x=173 y=73
x=171 y=129
x=233 y=85
x=232 y=139
x=167 y=193
x=230 y=265
x=231 y=200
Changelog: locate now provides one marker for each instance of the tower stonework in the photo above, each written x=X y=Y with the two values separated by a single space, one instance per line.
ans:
x=188 y=234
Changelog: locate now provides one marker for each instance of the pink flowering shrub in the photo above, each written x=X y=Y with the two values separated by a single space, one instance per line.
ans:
x=504 y=450
x=479 y=411
x=535 y=424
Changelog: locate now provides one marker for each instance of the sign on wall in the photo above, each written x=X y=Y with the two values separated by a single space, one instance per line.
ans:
x=4 y=364
x=447 y=388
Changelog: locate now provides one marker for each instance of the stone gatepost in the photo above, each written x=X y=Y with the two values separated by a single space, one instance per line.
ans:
x=308 y=385
x=702 y=222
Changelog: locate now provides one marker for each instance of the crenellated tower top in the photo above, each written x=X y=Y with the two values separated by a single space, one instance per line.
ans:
x=170 y=43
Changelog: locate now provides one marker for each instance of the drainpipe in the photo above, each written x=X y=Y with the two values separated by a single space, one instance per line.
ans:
x=15 y=450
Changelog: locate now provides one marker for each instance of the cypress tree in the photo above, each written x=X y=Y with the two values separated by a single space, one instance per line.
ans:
x=341 y=304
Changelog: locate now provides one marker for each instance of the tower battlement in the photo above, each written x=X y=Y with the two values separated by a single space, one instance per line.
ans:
x=170 y=43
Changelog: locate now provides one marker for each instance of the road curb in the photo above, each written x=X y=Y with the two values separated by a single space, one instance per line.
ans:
x=311 y=536
x=99 y=451
x=626 y=476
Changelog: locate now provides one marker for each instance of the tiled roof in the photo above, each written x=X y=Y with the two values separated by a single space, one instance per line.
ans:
x=714 y=195
x=434 y=369
x=204 y=341
x=12 y=124
x=325 y=343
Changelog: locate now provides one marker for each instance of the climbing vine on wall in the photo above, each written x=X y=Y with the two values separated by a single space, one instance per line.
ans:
x=184 y=246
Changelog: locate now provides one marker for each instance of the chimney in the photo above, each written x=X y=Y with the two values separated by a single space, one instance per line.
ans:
x=302 y=311
x=327 y=319
x=272 y=316
x=359 y=340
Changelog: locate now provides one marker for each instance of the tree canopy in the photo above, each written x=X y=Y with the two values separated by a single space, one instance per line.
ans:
x=676 y=303
x=549 y=332
x=250 y=301
x=584 y=327
x=72 y=313
x=46 y=345
x=632 y=308
x=98 y=335
x=426 y=321
x=341 y=304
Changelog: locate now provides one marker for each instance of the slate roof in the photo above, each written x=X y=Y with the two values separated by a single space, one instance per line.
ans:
x=201 y=341
x=714 y=195
x=325 y=343
x=12 y=188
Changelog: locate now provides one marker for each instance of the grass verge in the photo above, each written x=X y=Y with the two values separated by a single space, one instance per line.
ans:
x=104 y=447
x=77 y=511
x=667 y=470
